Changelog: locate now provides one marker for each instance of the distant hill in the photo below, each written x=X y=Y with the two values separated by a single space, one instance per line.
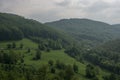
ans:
x=86 y=30
x=14 y=27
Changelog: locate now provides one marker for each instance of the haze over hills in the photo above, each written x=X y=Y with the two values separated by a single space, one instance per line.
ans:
x=90 y=31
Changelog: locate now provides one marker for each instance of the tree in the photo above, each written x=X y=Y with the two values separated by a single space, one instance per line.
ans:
x=22 y=60
x=75 y=68
x=48 y=50
x=112 y=77
x=37 y=55
x=72 y=51
x=9 y=46
x=90 y=72
x=52 y=70
x=43 y=72
x=10 y=76
x=69 y=73
x=29 y=50
x=13 y=45
x=50 y=62
x=21 y=46
x=41 y=46
x=60 y=65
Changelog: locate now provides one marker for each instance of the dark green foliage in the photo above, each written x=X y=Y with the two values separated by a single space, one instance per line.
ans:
x=48 y=50
x=46 y=45
x=21 y=46
x=41 y=47
x=52 y=70
x=13 y=27
x=73 y=51
x=13 y=45
x=37 y=55
x=75 y=68
x=61 y=74
x=91 y=71
x=9 y=33
x=22 y=60
x=87 y=31
x=50 y=62
x=69 y=73
x=60 y=65
x=95 y=78
x=9 y=58
x=9 y=46
x=28 y=50
x=111 y=77
x=106 y=56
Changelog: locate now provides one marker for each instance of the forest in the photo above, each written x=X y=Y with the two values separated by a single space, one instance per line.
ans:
x=30 y=50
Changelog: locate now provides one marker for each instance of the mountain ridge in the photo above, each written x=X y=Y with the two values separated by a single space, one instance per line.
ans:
x=91 y=30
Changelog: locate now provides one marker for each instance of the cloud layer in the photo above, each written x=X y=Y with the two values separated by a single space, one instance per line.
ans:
x=50 y=10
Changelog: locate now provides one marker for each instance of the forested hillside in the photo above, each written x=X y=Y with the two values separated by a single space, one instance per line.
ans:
x=88 y=31
x=30 y=50
x=106 y=56
x=14 y=27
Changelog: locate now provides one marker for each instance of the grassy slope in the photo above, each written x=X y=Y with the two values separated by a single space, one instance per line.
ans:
x=46 y=56
x=27 y=43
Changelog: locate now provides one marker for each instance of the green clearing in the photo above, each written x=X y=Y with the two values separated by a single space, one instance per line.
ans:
x=27 y=43
x=46 y=56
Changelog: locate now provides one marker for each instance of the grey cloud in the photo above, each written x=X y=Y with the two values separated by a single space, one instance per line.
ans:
x=63 y=3
x=49 y=10
x=98 y=7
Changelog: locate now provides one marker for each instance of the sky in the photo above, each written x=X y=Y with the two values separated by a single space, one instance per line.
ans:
x=51 y=10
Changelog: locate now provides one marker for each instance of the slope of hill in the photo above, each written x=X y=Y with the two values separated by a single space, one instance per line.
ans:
x=54 y=55
x=14 y=27
x=106 y=56
x=87 y=30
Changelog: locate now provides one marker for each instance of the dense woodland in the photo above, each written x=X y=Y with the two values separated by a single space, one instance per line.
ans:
x=13 y=27
x=88 y=32
x=107 y=56
x=93 y=50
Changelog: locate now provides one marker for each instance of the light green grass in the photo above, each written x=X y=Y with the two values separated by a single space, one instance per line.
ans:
x=27 y=43
x=56 y=55
x=46 y=56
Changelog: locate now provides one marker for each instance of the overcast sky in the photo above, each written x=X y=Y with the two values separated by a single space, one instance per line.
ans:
x=50 y=10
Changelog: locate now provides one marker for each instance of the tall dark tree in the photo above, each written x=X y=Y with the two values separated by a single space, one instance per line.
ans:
x=13 y=45
x=9 y=46
x=21 y=46
x=28 y=50
x=90 y=71
x=37 y=55
x=69 y=73
x=75 y=68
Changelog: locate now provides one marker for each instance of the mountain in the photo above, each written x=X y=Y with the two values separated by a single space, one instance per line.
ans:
x=14 y=27
x=86 y=30
x=30 y=50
